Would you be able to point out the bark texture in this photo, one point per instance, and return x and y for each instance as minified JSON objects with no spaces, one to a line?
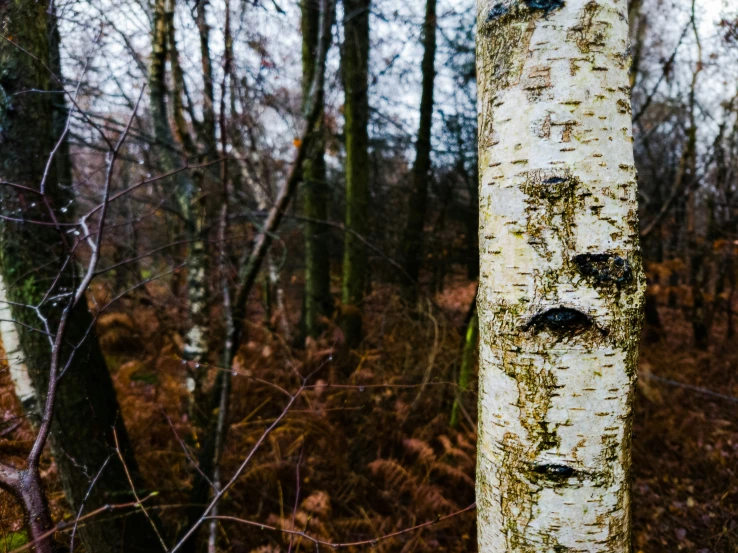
{"x":355,"y":65}
{"x":561,"y":290}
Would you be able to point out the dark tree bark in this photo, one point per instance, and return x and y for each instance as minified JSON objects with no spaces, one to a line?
{"x":355,"y":66}
{"x":38,"y":271}
{"x":318,"y":301}
{"x":413,"y":242}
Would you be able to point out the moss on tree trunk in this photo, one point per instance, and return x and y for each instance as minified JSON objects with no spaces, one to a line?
{"x":561,"y":278}
{"x":355,"y":65}
{"x":37,"y":271}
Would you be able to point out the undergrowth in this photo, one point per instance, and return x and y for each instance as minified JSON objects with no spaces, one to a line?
{"x":367,"y":450}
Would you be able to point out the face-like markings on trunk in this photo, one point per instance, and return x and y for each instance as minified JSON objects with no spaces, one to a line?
{"x":559,"y":242}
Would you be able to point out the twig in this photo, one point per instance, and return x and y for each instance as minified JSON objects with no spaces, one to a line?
{"x":297,"y":494}
{"x":135,"y":494}
{"x":66,"y":525}
{"x":186,"y":451}
{"x":238,"y":472}
{"x":691,"y":387}
{"x":84,"y":500}
{"x":334,"y":545}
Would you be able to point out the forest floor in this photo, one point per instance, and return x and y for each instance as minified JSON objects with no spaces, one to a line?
{"x":366,"y":451}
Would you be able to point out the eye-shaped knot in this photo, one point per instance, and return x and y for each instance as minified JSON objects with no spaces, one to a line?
{"x":561,"y":320}
{"x":554,"y":472}
{"x":503,"y":7}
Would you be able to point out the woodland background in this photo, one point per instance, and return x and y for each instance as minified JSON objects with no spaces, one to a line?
{"x":382,"y":435}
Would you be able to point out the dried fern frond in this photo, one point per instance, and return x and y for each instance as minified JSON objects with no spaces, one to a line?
{"x":394,"y":474}
{"x":117,"y":332}
{"x":420,"y":448}
{"x":453,"y":474}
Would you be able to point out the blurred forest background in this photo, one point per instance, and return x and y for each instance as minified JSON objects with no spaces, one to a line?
{"x":285,"y":288}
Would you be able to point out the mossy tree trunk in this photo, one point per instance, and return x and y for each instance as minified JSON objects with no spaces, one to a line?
{"x":318,"y":301}
{"x":355,"y":65}
{"x":561,"y":284}
{"x":413,"y":240}
{"x":37,"y":271}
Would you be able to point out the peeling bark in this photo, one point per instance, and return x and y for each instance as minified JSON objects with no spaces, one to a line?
{"x":561,"y":285}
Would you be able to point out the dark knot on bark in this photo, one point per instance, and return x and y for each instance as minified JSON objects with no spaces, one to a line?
{"x":604,"y":267}
{"x":545,"y":5}
{"x":561,"y":320}
{"x":554,"y":472}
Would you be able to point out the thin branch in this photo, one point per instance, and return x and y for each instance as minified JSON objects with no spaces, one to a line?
{"x":138,"y":503}
{"x":238,"y":472}
{"x":334,"y":545}
{"x":84,"y":500}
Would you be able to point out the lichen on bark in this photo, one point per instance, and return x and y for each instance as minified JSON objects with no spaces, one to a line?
{"x":561,"y":287}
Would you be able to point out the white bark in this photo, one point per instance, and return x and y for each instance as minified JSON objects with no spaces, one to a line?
{"x":561,"y":286}
{"x":14,"y":354}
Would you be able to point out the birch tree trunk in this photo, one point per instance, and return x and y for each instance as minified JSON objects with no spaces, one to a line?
{"x":561,"y":288}
{"x":196,"y":339}
{"x":14,"y":357}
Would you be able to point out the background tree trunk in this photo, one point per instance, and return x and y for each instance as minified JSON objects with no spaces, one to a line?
{"x":413,"y":242}
{"x":196,"y":339}
{"x":34,"y":262}
{"x":561,"y":291}
{"x":355,"y":66}
{"x":14,"y":357}
{"x":318,"y":301}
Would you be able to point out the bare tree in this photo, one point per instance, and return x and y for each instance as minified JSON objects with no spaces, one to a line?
{"x":45,"y":293}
